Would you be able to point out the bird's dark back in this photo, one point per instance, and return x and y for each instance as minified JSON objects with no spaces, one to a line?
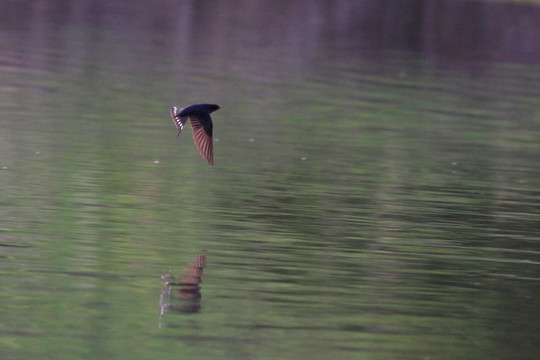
{"x":199,"y":109}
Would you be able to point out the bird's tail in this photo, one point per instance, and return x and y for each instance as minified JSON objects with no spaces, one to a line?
{"x":178,"y":120}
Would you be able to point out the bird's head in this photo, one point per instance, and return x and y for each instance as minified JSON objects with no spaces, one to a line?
{"x":213,"y":107}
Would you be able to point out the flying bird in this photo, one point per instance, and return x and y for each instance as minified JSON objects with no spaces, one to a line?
{"x":201,"y":124}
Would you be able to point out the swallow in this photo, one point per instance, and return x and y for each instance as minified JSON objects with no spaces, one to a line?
{"x":201,"y":124}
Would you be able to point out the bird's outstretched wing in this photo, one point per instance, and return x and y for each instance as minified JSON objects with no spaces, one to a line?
{"x":178,"y":121}
{"x":202,"y":139}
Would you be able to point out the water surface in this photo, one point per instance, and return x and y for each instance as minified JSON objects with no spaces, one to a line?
{"x":372,"y":197}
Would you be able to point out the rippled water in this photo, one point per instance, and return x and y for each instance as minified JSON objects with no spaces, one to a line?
{"x":365,"y":203}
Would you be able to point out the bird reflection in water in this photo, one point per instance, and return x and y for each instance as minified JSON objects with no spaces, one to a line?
{"x":189,"y":299}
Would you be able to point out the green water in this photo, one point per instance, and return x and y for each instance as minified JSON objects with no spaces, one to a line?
{"x":361,"y":206}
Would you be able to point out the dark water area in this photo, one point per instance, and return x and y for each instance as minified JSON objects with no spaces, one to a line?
{"x":457,"y":30}
{"x":374,"y":194}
